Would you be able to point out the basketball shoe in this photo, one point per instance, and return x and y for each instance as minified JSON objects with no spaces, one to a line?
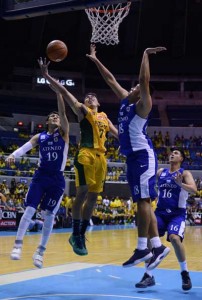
{"x":77,"y":245}
{"x":38,"y":260}
{"x":158,"y":255}
{"x":138,"y":257}
{"x":186,"y":281}
{"x":146,"y":281}
{"x":83,"y":240}
{"x":16,"y":253}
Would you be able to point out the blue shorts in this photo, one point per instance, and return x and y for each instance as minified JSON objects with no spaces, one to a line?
{"x":46,"y":190}
{"x":141,"y":174}
{"x":170,"y":223}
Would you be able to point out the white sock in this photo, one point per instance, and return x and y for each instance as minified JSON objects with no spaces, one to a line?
{"x":142,"y":243}
{"x":155,"y":242}
{"x":24,"y":224}
{"x":46,"y":229}
{"x":183,"y":266}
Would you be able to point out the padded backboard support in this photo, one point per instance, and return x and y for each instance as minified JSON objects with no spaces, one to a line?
{"x":21,"y":9}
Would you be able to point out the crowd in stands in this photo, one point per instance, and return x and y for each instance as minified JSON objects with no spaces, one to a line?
{"x":192,"y":147}
{"x":107,"y":211}
{"x":26,"y":166}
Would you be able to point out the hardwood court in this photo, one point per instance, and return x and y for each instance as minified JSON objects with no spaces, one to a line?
{"x":105,"y":247}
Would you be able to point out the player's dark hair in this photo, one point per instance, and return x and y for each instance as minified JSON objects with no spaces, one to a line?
{"x":52,"y":113}
{"x":90,"y":94}
{"x":180,"y":150}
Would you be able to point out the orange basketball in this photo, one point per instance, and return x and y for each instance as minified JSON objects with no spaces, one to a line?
{"x":56,"y":51}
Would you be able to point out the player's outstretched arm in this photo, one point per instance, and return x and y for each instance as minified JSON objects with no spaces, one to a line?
{"x":63,"y":117}
{"x":23,"y":149}
{"x":62,"y":113}
{"x":109,"y":78}
{"x":145,"y":104}
{"x":58,"y":87}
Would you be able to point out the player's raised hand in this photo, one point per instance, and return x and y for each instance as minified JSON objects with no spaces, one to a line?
{"x":155,"y":50}
{"x":92,"y":54}
{"x":43,"y":65}
{"x":178,"y":178}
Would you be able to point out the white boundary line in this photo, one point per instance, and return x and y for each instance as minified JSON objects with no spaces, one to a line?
{"x":40,"y":273}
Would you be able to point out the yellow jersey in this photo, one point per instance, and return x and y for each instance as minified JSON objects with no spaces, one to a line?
{"x":94,"y":128}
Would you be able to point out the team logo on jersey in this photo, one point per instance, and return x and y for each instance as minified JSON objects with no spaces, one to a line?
{"x":100,"y":117}
{"x":42,"y":137}
{"x":50,"y":143}
{"x":128,"y":109}
{"x":168,"y":180}
{"x":55,"y":139}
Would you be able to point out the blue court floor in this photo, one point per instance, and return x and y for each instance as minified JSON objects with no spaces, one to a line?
{"x":86,"y":281}
{"x":80,"y":281}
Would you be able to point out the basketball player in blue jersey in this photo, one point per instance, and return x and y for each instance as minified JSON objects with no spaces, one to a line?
{"x":48,"y":183}
{"x":174,"y":184}
{"x":141,"y":160}
{"x":90,"y":162}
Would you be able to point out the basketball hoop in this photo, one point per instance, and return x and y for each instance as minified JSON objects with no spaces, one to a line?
{"x":105,"y":21}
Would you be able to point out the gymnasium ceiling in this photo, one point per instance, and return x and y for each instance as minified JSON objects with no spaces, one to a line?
{"x":175,"y":24}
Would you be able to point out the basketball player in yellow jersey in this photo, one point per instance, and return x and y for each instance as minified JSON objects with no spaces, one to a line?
{"x":90,"y":162}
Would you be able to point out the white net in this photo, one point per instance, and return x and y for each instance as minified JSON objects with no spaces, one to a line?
{"x":105,"y":21}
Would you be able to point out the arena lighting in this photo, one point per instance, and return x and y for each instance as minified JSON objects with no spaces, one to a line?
{"x":39,"y":126}
{"x":20,"y":123}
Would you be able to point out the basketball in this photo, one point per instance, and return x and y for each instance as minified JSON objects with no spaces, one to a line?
{"x":56,"y":51}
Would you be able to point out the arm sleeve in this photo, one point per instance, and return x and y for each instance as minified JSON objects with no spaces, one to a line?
{"x":22,"y":150}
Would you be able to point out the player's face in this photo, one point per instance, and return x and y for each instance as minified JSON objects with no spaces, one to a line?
{"x":91,"y":101}
{"x":54,"y":119}
{"x":175,"y":156}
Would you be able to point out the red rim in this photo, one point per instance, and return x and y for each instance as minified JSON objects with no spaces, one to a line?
{"x":102,"y":11}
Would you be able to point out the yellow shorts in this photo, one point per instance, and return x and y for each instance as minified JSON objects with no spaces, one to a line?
{"x":90,"y":169}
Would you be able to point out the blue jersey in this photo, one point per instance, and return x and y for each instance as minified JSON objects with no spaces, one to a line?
{"x":132,"y":129}
{"x":53,"y":151}
{"x":171,"y":196}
